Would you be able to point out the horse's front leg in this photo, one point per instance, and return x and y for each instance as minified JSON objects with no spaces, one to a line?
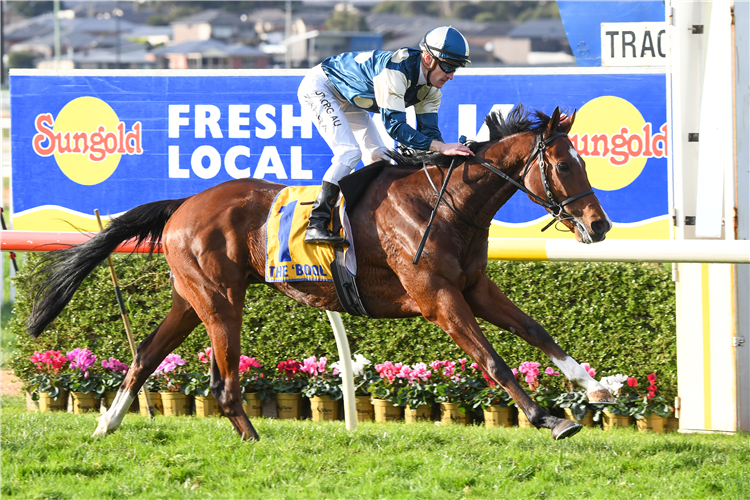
{"x":448,"y":309}
{"x":488,"y":302}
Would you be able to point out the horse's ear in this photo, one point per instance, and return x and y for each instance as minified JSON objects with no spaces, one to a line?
{"x":567,"y":122}
{"x":554,"y":121}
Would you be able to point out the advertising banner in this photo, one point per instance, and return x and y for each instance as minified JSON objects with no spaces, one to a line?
{"x":115,"y":140}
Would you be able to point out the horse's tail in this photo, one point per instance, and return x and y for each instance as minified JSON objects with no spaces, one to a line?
{"x":59,"y":273}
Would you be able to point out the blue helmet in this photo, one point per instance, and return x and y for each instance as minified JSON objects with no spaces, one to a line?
{"x":447,"y":43}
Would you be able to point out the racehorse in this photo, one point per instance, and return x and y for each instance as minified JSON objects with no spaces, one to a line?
{"x":214,"y":257}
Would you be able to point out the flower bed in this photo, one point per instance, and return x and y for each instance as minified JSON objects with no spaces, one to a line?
{"x":460,"y":389}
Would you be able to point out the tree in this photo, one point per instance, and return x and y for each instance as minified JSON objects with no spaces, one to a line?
{"x":341,"y":20}
{"x":21,"y":59}
{"x":32,"y":8}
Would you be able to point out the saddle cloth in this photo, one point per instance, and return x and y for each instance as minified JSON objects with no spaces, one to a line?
{"x":288,"y":257}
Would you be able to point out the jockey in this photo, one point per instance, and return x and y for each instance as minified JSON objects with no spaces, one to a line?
{"x":343,"y":90}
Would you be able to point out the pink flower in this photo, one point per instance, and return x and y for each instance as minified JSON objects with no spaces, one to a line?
{"x":463,"y":363}
{"x":490,"y":382}
{"x":115,"y":365}
{"x":550,"y":371}
{"x":632,"y":382}
{"x":170,"y":363}
{"x":310,"y":366}
{"x":531,"y":370}
{"x":515,"y":373}
{"x":420,"y":372}
{"x":475,"y":366}
{"x":205,"y":357}
{"x":588,"y":369}
{"x":246,"y":363}
{"x":82,"y":360}
{"x":49,"y":361}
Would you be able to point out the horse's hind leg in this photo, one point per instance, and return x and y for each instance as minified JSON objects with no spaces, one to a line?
{"x":171,"y":332}
{"x":488,"y":302}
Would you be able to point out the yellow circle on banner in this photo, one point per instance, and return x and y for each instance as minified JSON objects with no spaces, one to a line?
{"x":87,"y":142}
{"x":616,"y":165}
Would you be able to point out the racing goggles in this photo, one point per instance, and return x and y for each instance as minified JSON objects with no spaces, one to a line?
{"x":447,"y":67}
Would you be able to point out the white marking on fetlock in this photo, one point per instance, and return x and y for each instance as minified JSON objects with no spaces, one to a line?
{"x":111,"y":420}
{"x":577,"y":375}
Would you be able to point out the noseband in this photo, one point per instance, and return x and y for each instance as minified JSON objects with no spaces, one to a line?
{"x":556,"y":209}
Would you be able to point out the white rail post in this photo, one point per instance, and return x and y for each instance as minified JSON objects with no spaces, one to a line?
{"x":347,"y":377}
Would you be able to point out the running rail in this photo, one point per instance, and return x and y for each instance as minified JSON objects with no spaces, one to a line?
{"x":699,"y":251}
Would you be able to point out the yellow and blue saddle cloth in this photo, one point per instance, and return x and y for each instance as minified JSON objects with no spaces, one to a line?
{"x":288,"y":257}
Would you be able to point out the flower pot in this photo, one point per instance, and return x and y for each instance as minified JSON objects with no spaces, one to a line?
{"x":587,"y":420}
{"x":31,"y":405}
{"x":499,"y":416}
{"x":288,"y":405}
{"x":610,"y":420}
{"x":46,"y":403}
{"x":450,"y":414}
{"x":175,"y":403}
{"x":253,"y":405}
{"x":654,"y":423}
{"x":108,"y":399}
{"x":386,"y":412}
{"x":523,"y":421}
{"x":83,"y":402}
{"x":422,"y":413}
{"x":365,"y":410}
{"x":155,"y":402}
{"x":205,"y":406}
{"x":672,"y":424}
{"x":323,"y":408}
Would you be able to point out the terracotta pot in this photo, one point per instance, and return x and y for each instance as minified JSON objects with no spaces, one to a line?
{"x":253,"y":405}
{"x":84,"y":402}
{"x":386,"y":412}
{"x":523,"y":421}
{"x":155,"y":402}
{"x":422,"y":413}
{"x":587,"y":420}
{"x":288,"y":405}
{"x":46,"y":403}
{"x":205,"y":406}
{"x":323,"y":408}
{"x":450,"y":414}
{"x":175,"y":403}
{"x":365,"y":410}
{"x":610,"y":420}
{"x":499,"y":416}
{"x":654,"y":423}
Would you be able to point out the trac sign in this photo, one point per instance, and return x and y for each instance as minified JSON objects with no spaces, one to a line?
{"x":634,"y":44}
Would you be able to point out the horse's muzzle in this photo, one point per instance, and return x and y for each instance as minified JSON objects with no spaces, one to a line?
{"x":599,"y":229}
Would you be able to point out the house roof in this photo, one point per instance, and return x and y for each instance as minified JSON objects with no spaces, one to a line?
{"x":209,"y":48}
{"x":212,"y":17}
{"x":540,"y":28}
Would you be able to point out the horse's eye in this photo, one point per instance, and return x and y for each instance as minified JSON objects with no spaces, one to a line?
{"x":563,"y":167}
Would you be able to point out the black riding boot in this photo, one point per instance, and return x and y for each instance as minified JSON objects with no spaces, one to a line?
{"x":320,"y":217}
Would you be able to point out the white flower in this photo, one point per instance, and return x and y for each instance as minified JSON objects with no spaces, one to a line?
{"x":614,"y":383}
{"x":358,"y":365}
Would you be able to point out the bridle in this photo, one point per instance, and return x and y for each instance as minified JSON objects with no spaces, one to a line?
{"x":556,"y":209}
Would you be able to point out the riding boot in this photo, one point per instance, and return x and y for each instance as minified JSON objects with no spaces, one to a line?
{"x":320,"y":217}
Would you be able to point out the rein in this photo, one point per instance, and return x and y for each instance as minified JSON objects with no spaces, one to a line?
{"x":556,"y":209}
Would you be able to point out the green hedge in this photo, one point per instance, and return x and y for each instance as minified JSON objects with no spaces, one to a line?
{"x":620,"y":318}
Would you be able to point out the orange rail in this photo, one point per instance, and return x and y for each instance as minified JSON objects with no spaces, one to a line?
{"x":44,"y":241}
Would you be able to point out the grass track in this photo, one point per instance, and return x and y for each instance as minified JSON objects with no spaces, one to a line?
{"x":53,"y":456}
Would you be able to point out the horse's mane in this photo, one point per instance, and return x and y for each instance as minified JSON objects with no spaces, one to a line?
{"x":518,"y":120}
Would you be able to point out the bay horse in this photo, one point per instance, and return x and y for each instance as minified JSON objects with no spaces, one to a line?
{"x":214,"y":243}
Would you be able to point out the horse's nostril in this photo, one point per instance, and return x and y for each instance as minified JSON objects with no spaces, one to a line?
{"x":600,"y":226}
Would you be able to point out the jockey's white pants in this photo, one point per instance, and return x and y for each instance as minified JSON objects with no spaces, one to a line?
{"x":348,"y":130}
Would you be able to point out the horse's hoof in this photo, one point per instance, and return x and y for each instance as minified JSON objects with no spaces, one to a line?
{"x":565,"y":429}
{"x":601,"y":397}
